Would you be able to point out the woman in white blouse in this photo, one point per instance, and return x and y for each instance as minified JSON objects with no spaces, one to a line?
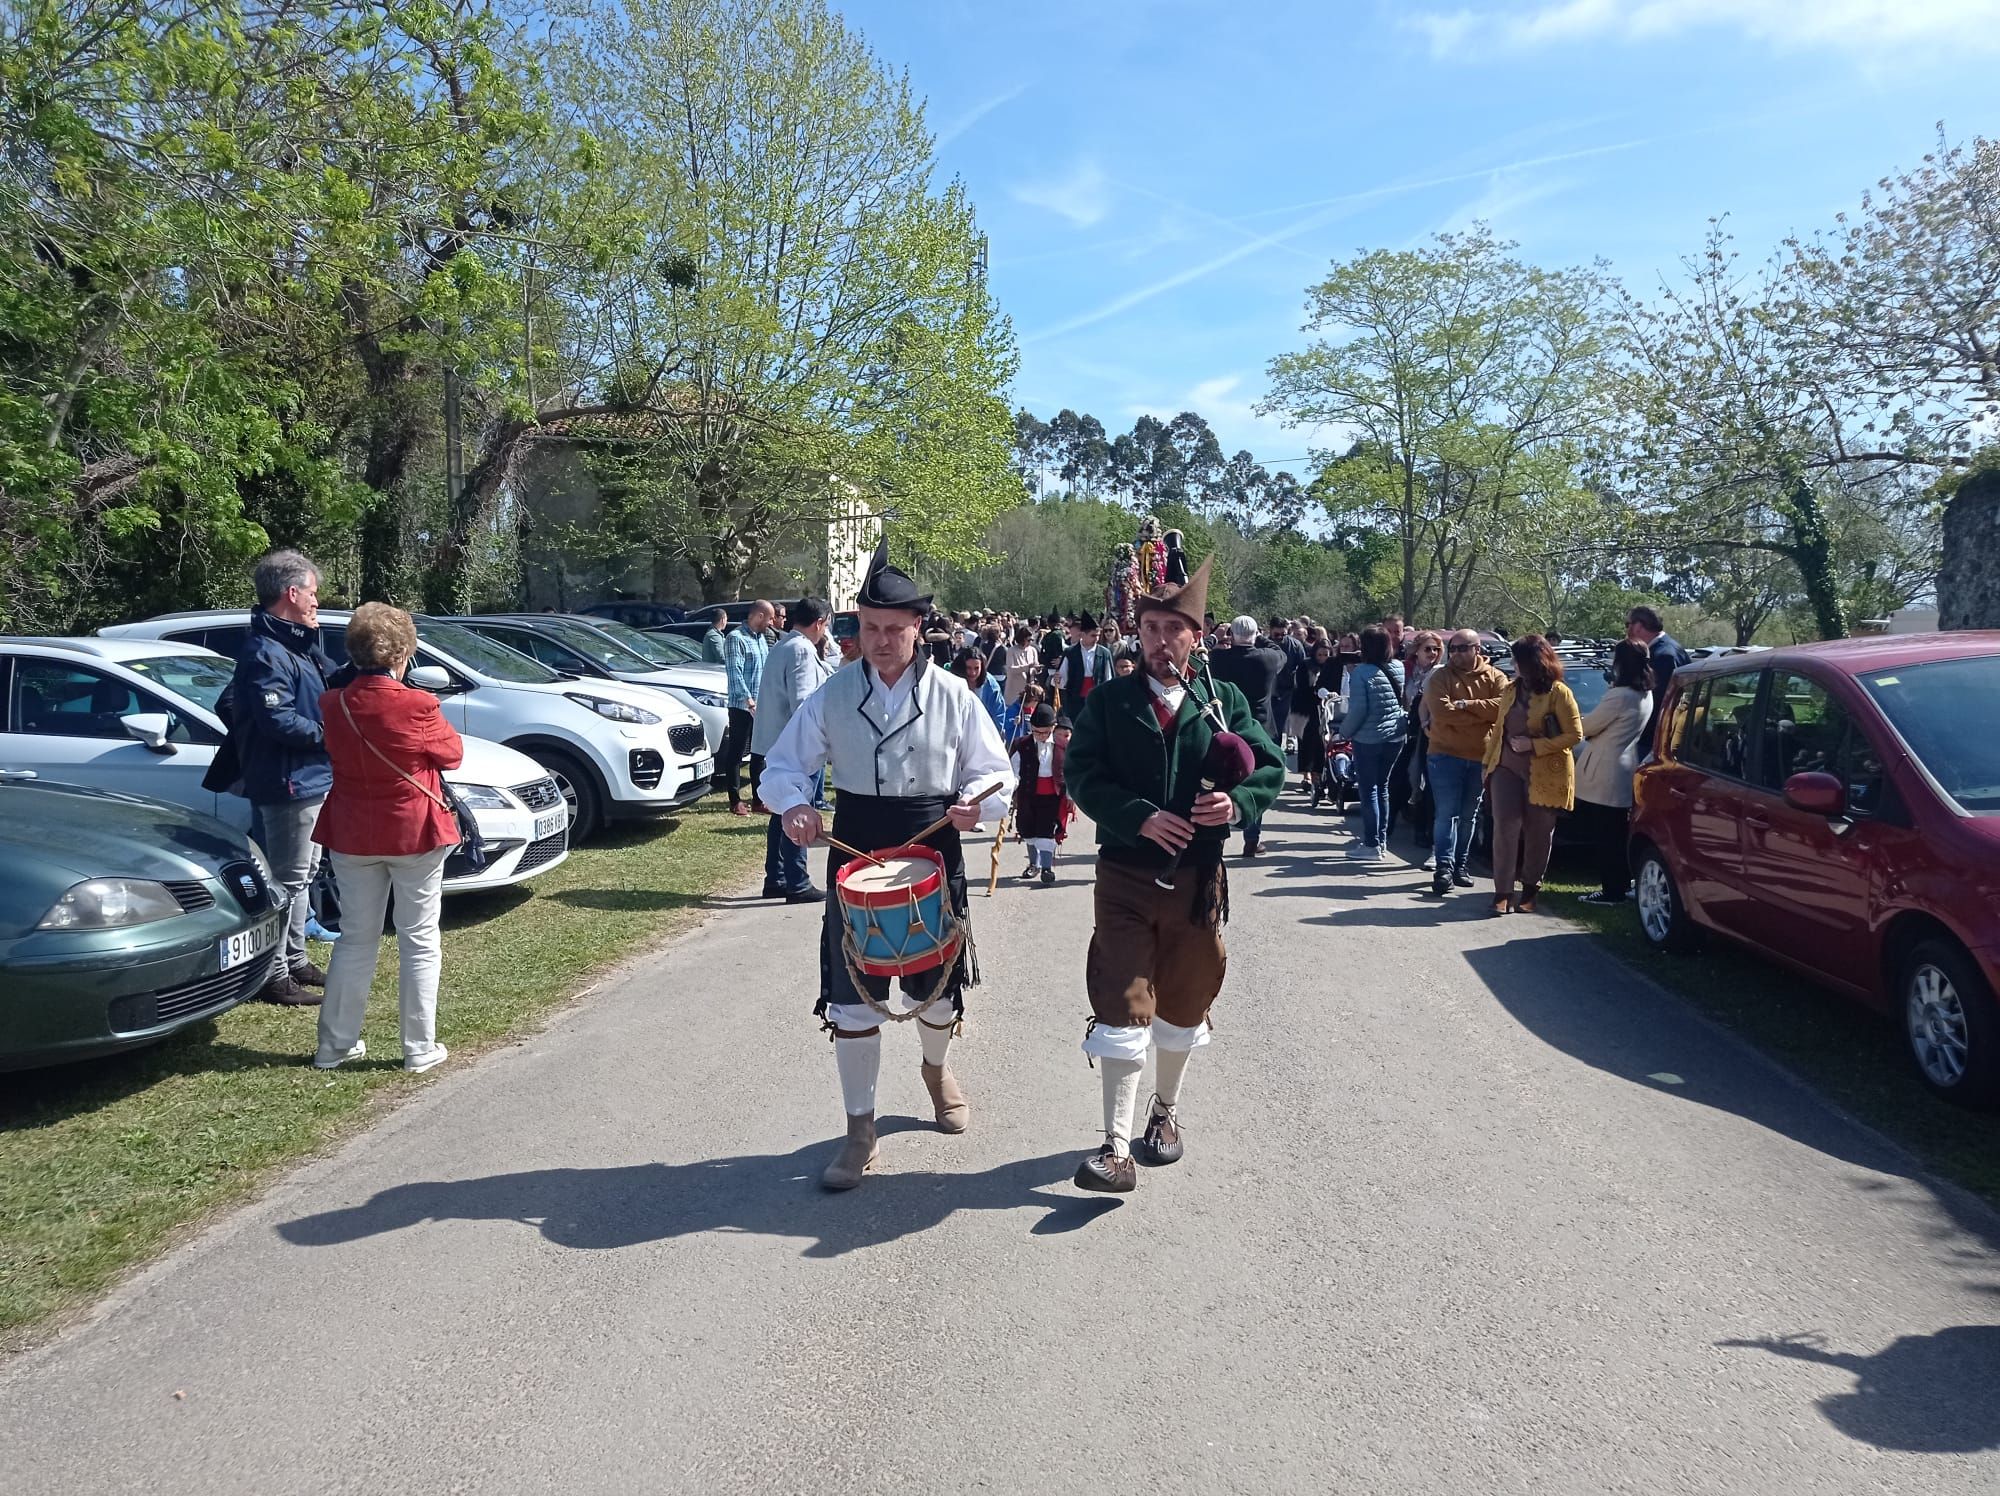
{"x":1612,"y":731}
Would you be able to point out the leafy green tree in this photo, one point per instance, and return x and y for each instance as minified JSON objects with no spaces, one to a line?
{"x":831,"y":335}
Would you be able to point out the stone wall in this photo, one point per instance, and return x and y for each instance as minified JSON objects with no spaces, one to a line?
{"x":1969,"y":580}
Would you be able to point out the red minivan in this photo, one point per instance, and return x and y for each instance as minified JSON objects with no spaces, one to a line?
{"x":1837,"y":806}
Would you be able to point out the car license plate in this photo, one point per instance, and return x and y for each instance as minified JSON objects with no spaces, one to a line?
{"x":705,"y":769}
{"x":247,"y":945}
{"x":549,"y":822}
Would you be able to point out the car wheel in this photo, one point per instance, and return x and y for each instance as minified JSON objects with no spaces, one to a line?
{"x":579,"y":791}
{"x":1952,"y":1025}
{"x":1662,"y":916}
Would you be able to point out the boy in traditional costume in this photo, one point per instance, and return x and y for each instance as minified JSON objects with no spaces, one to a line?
{"x":1147,"y":765}
{"x":908,"y":741}
{"x":1038,"y":793}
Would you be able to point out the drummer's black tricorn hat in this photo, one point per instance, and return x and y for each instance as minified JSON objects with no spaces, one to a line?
{"x":889,"y":586}
{"x":1043,"y":716}
{"x":1085,"y":621}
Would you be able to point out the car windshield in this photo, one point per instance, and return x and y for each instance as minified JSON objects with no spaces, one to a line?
{"x":1948,"y":711}
{"x":594,"y":646}
{"x":199,"y":678}
{"x":1586,"y":682}
{"x":483,"y":655}
{"x":655,"y":649}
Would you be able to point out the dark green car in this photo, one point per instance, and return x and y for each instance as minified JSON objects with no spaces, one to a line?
{"x":122,"y":920}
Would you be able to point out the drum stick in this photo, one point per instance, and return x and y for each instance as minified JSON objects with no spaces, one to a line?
{"x":839,"y":845}
{"x":983,"y":792}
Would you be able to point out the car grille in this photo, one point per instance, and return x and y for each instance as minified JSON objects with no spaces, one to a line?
{"x":648,"y":768}
{"x":144,"y":1010}
{"x":547,"y":850}
{"x":540,"y":794}
{"x":248,"y":888}
{"x":687,"y":737}
{"x":193,"y":896}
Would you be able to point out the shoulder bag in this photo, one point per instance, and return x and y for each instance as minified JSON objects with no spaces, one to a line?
{"x":471,"y":845}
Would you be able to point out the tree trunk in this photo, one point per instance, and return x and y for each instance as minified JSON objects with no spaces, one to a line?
{"x":1812,"y":552}
{"x":1968,"y":584}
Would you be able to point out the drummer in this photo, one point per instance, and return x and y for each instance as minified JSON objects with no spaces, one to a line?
{"x":907,"y":742}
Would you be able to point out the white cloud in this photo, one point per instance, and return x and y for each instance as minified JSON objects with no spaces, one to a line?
{"x":1864,"y":26}
{"x":975,"y":114}
{"x":1231,"y":412}
{"x":1083,"y":195}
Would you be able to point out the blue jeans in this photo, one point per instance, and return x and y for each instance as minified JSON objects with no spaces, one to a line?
{"x":1372,"y":763}
{"x":784,"y":859}
{"x":1456,"y":787}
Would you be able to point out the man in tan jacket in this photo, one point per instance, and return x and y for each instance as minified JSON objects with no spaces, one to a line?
{"x":1462,"y":700}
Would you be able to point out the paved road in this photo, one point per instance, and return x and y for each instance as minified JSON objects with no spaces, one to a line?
{"x":1467,"y":1208}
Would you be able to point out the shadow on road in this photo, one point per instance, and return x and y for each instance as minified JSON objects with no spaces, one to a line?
{"x":1929,"y":1394}
{"x":757,"y":1194}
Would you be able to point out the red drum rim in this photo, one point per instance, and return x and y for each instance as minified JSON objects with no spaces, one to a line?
{"x":883,"y":898}
{"x":935,"y":957}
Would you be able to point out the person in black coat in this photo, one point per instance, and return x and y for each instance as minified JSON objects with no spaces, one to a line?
{"x":1253,"y":669}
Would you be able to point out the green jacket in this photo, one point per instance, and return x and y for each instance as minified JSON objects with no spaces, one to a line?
{"x":1119,"y":772}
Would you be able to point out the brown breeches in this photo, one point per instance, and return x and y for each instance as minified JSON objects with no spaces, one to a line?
{"x":1147,"y":957}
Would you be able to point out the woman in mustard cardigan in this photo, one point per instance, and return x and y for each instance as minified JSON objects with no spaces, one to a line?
{"x":1530,"y":773}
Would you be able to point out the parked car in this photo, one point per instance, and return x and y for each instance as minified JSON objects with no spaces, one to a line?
{"x":616,"y":752}
{"x":122,"y":920}
{"x":138,"y":716}
{"x":643,"y":615}
{"x":1837,"y":807}
{"x":588,"y":649}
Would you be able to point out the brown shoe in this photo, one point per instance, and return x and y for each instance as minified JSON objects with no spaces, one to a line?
{"x":1501,"y":904}
{"x":308,"y":975}
{"x":1525,"y":904}
{"x":953,"y":1115}
{"x":1106,"y":1173}
{"x":856,"y":1157}
{"x":287,"y":992}
{"x":738,"y":808}
{"x":1161,"y":1145}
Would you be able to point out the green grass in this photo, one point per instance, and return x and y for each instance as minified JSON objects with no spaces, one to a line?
{"x":104,"y":1164}
{"x":1853,"y":1056}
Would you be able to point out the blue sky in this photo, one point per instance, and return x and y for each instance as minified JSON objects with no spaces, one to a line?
{"x":1161,"y":179}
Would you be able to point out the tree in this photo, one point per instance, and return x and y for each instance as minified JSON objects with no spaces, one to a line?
{"x":833,"y":336}
{"x":1745,"y":440}
{"x":1462,"y":379}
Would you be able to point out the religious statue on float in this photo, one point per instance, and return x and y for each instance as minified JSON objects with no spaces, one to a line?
{"x":1143,"y":567}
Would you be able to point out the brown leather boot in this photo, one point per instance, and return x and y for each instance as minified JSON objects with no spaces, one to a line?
{"x":856,"y":1157}
{"x":953,"y":1115}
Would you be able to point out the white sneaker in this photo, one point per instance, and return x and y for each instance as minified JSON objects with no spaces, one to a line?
{"x":430,"y":1059}
{"x":328,"y":1059}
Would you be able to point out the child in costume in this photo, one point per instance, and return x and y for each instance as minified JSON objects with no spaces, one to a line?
{"x":1038,"y":793}
{"x":1068,"y":808}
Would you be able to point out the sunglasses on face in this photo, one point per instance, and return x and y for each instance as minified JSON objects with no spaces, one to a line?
{"x":1463,"y":648}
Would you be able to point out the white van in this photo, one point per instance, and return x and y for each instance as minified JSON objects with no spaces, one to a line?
{"x":617,"y":752}
{"x":137,"y":717}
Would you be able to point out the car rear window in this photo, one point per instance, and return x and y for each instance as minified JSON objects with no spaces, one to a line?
{"x":1948,"y":711}
{"x":1713,"y":723}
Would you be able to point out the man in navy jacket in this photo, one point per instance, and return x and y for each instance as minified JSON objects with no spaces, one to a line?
{"x":280,"y":746}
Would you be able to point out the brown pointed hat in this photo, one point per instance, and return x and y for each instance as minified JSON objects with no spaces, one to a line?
{"x":1190,"y":599}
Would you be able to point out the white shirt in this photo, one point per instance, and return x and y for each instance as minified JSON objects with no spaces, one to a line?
{"x":802,"y":748}
{"x":1045,"y":758}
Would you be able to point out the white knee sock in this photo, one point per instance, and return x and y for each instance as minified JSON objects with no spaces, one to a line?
{"x":936,"y":1041}
{"x":1172,"y":1065}
{"x":1121,"y":1099}
{"x":859,"y":1062}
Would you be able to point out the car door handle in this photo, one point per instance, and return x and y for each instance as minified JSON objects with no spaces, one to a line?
{"x":1757,"y":820}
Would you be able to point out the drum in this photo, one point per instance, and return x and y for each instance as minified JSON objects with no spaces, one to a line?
{"x":899,"y":921}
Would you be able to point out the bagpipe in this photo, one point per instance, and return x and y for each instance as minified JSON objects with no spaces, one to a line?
{"x":1228,"y":761}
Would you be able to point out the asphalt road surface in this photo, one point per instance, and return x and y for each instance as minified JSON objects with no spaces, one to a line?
{"x":1467,"y":1207}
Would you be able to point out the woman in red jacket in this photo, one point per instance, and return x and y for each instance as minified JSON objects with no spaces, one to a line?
{"x":386,"y":827}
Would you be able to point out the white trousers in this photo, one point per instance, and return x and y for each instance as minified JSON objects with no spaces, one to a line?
{"x":417,"y":880}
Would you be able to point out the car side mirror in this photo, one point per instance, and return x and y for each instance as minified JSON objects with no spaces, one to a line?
{"x":433,"y":678}
{"x":1816,"y":794}
{"x":150,"y":728}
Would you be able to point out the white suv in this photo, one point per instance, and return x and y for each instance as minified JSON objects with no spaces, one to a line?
{"x":617,"y":752}
{"x":137,"y":716}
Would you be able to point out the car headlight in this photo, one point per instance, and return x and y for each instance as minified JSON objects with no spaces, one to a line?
{"x":481,"y":797}
{"x":617,"y":711}
{"x":714,"y":699}
{"x":110,"y":904}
